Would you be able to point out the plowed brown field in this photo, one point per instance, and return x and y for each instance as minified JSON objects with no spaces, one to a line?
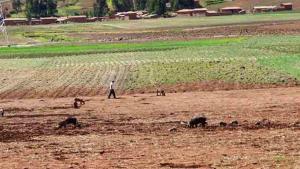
{"x":134,"y":131}
{"x":263,"y":28}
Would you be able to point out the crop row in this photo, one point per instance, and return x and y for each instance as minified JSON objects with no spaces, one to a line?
{"x":250,"y":61}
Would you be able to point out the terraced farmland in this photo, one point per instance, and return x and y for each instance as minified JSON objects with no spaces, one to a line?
{"x":243,"y":62}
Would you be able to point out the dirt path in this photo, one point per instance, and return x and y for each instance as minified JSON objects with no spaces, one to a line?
{"x":133,"y":131}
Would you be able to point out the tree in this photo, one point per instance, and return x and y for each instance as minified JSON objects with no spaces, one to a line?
{"x":156,"y":6}
{"x":183,"y":4}
{"x":43,"y":8}
{"x":51,"y":7}
{"x":140,"y":4}
{"x":17,"y":5}
{"x":29,"y":7}
{"x":100,"y":8}
{"x":40,"y":8}
{"x":35,"y":11}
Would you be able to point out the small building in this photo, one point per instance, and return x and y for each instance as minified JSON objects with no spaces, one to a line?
{"x":62,"y":20}
{"x":212,"y":13}
{"x":48,"y":20}
{"x":191,"y":12}
{"x":199,"y":11}
{"x":103,"y":18}
{"x":92,"y":19}
{"x":77,"y":19}
{"x":230,"y":10}
{"x":287,"y":6}
{"x":185,"y":12}
{"x":35,"y":22}
{"x":259,"y":9}
{"x":131,"y":15}
{"x":120,"y":16}
{"x":15,"y":21}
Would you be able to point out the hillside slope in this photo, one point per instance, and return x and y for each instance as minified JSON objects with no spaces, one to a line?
{"x":248,"y":4}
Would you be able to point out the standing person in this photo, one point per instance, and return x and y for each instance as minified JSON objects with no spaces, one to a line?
{"x":112,"y":89}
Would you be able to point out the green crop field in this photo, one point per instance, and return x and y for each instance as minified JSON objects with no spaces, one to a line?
{"x":62,"y":70}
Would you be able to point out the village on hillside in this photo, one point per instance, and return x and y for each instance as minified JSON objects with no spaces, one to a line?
{"x":8,"y":8}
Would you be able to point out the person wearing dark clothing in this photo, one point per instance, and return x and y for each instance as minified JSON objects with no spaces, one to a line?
{"x":112,"y":90}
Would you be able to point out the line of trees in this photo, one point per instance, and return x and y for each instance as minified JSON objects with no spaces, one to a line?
{"x":40,"y":8}
{"x":103,"y":7}
{"x":46,"y":8}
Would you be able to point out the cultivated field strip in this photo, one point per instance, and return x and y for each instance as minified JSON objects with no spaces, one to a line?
{"x":70,"y":78}
{"x":65,"y":80}
{"x":90,"y":74}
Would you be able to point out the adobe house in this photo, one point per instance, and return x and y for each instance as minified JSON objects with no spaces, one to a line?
{"x":287,"y":6}
{"x":78,"y":19}
{"x":15,"y":21}
{"x":199,"y":11}
{"x":120,"y":15}
{"x":7,"y":7}
{"x":132,"y":15}
{"x":191,"y":12}
{"x":35,"y":22}
{"x":92,"y":19}
{"x":212,"y":13}
{"x":259,"y":9}
{"x":185,"y":12}
{"x":48,"y":20}
{"x":231,"y":10}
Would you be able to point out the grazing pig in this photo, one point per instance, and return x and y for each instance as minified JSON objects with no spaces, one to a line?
{"x":78,"y":102}
{"x":69,"y":120}
{"x":76,"y":105}
{"x":160,"y":92}
{"x":223,"y":124}
{"x":264,"y":123}
{"x":195,"y":121}
{"x":81,"y":101}
{"x":234,"y":124}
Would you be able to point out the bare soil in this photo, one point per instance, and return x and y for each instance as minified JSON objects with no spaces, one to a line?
{"x":266,"y":28}
{"x":146,"y":131}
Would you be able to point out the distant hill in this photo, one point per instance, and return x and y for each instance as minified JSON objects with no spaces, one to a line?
{"x":248,"y":4}
{"x":79,"y":7}
{"x":85,"y":5}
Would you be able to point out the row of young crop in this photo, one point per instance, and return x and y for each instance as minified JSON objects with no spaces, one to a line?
{"x":252,"y":61}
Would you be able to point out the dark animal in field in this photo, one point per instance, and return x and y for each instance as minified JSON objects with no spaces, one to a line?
{"x":223,"y":124}
{"x":160,"y":92}
{"x":264,"y":123}
{"x":195,"y":121}
{"x":69,"y":120}
{"x":78,"y":103}
{"x":81,"y":101}
{"x":234,"y":124}
{"x":2,"y":112}
{"x":296,"y":124}
{"x":174,"y":129}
